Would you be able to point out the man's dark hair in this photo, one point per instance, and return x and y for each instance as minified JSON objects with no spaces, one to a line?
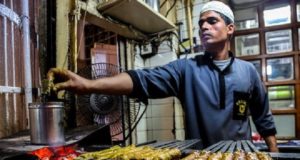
{"x":225,"y":18}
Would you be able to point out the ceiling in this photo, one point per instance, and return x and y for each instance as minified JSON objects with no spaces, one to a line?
{"x":245,"y":3}
{"x":240,"y":2}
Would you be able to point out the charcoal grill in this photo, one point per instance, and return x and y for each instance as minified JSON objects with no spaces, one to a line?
{"x":231,"y":146}
{"x":18,"y":146}
{"x":247,"y":146}
{"x":181,"y":145}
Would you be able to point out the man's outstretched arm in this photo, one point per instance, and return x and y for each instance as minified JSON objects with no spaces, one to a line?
{"x":66,"y":80}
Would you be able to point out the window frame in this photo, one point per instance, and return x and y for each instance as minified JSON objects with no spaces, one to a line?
{"x":263,"y":57}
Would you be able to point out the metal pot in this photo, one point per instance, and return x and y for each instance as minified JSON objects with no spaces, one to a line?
{"x":46,"y":123}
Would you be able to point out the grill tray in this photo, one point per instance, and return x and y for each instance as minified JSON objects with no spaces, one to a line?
{"x":231,"y":146}
{"x":247,"y":146}
{"x":181,"y":145}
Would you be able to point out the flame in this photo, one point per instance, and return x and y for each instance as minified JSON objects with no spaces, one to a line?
{"x":43,"y":152}
{"x":56,"y":153}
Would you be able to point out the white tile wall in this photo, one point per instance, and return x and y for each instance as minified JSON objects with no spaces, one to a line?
{"x":149,"y":123}
{"x":200,"y":1}
{"x":195,"y":21}
{"x":178,"y":107}
{"x":163,"y":110}
{"x":160,"y":59}
{"x":166,"y":46}
{"x":168,"y":100}
{"x":142,"y":137}
{"x":163,"y":135}
{"x":162,"y":123}
{"x":184,"y":34}
{"x":138,"y":61}
{"x":179,"y":122}
{"x":142,"y":125}
{"x":149,"y":111}
{"x":150,"y":135}
{"x":181,"y":14}
{"x":180,"y":134}
{"x":196,"y":9}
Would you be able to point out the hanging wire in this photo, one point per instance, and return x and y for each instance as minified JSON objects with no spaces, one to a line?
{"x":138,"y":120}
{"x":173,"y":5}
{"x":163,"y":4}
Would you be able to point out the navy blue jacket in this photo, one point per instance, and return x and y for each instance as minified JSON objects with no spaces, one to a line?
{"x":213,"y":100}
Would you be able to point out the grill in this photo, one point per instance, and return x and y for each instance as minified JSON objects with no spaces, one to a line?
{"x":231,"y":146}
{"x":247,"y":146}
{"x":169,"y":150}
{"x":18,"y":146}
{"x":184,"y":146}
{"x":181,"y":145}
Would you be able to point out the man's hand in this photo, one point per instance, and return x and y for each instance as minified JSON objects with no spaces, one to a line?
{"x":119,"y":84}
{"x":271,"y":142}
{"x":60,"y":79}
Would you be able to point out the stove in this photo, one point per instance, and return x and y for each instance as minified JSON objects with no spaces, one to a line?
{"x":245,"y":146}
{"x":84,"y":142}
{"x":19,"y":147}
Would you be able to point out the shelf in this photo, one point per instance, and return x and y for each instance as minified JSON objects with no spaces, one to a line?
{"x":91,"y":15}
{"x":137,"y":14}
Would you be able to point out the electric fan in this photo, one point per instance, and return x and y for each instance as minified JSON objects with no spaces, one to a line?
{"x":102,"y":109}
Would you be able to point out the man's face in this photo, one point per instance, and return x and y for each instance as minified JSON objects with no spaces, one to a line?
{"x":213,"y":31}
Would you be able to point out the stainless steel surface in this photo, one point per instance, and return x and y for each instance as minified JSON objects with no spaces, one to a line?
{"x":9,"y":13}
{"x":26,"y":52}
{"x":8,"y":89}
{"x":46,"y":123}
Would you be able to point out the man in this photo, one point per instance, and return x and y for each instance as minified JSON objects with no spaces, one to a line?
{"x":216,"y":90}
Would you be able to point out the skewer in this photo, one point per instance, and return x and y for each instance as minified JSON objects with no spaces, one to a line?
{"x":218,"y":147}
{"x":252,"y":146}
{"x":213,"y":146}
{"x":245,"y":146}
{"x":160,"y":144}
{"x":187,"y":144}
{"x":238,"y":145}
{"x":225,"y":147}
{"x":232,"y":147}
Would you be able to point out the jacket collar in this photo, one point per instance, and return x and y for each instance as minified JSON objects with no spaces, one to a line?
{"x":209,"y":61}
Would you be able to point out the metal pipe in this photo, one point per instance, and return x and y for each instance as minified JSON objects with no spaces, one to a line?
{"x":6,"y":106}
{"x":190,"y":24}
{"x":8,"y":89}
{"x":15,"y":117}
{"x":10,"y":14}
{"x":27,"y":58}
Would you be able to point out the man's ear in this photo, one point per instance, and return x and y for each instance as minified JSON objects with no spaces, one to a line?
{"x":230,"y":28}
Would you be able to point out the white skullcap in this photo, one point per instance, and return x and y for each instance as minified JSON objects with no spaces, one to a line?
{"x":219,"y":7}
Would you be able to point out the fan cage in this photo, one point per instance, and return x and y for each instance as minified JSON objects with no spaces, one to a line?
{"x":88,"y":109}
